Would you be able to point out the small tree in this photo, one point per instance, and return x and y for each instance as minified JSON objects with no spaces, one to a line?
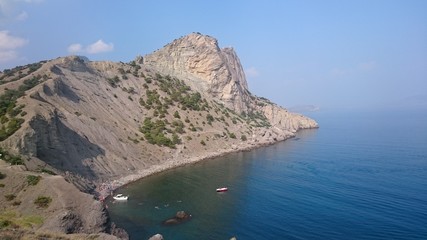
{"x":176,"y":114}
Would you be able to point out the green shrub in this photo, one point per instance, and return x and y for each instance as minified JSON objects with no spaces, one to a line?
{"x":210,"y":119}
{"x":16,"y":203}
{"x":9,"y":197}
{"x":203,"y":143}
{"x":2,"y":185}
{"x":44,"y":170}
{"x":176,"y":114}
{"x":232,"y":135}
{"x":5,"y":223}
{"x":42,"y":201}
{"x":243,"y":138}
{"x":9,"y":158}
{"x":33,"y":180}
{"x":2,"y":175}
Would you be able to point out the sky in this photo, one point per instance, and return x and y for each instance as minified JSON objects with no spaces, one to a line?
{"x":352,"y":54}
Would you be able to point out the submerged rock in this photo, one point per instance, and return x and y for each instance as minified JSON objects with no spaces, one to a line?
{"x":179,"y":217}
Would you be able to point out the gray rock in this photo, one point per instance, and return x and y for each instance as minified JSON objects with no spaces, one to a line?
{"x":156,"y":237}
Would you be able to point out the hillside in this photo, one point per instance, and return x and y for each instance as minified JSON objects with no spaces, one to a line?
{"x":99,"y":124}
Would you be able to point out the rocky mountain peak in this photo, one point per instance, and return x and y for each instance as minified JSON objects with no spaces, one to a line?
{"x":201,"y":63}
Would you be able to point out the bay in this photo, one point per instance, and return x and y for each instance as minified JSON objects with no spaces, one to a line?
{"x":359,"y":176}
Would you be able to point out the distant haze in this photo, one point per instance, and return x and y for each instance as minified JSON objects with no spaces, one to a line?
{"x":330,"y":54}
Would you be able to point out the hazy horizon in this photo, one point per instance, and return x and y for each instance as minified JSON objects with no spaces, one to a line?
{"x":330,"y":54}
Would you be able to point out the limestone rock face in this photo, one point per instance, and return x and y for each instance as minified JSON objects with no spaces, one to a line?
{"x":217,"y":73}
{"x":212,"y":71}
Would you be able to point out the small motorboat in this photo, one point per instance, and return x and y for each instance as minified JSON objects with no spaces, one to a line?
{"x":120,"y":197}
{"x":223,"y":189}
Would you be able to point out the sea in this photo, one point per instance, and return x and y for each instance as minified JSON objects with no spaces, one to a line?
{"x":361,"y":175}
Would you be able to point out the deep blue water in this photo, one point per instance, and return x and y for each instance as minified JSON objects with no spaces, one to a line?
{"x":359,"y":176}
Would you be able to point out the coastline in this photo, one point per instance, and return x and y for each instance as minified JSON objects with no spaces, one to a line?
{"x":106,"y":189}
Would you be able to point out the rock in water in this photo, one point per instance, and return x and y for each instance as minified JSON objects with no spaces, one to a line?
{"x":156,"y":237}
{"x":179,"y":217}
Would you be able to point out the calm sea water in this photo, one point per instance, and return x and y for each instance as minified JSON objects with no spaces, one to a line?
{"x":359,"y":176}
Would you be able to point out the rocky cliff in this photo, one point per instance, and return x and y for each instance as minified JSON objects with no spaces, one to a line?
{"x":205,"y":67}
{"x":217,"y":73}
{"x":102,"y":124}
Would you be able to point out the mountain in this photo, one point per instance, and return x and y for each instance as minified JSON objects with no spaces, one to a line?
{"x":102,"y":124}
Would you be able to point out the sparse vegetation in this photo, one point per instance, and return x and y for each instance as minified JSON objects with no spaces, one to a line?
{"x":44,"y":170}
{"x":9,"y":122}
{"x":9,"y":158}
{"x":155,"y":133}
{"x":42,"y":201}
{"x":9,"y":197}
{"x":12,"y":220}
{"x":33,"y":180}
{"x":113,"y":81}
{"x":5,"y":223}
{"x":2,"y":175}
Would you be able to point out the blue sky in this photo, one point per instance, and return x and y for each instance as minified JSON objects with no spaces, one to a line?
{"x":332,"y":54}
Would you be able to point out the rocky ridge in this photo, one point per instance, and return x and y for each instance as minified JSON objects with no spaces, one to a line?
{"x":103,"y":124}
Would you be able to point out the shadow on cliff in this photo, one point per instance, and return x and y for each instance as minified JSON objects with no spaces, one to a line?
{"x":66,"y":150}
{"x":62,"y":89}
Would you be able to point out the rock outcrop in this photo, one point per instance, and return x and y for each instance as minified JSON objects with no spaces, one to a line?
{"x":217,"y":72}
{"x":180,"y":217}
{"x":207,"y":68}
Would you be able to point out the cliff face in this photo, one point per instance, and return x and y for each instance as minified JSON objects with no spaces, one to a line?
{"x":217,"y":73}
{"x":95,"y":122}
{"x":205,"y":67}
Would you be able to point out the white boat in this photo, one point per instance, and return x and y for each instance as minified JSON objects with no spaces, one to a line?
{"x":222,"y":189}
{"x":120,"y":197}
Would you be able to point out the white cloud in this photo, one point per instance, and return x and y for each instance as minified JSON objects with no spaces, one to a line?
{"x":75,"y":48}
{"x":8,"y":46}
{"x":10,"y":42}
{"x":99,"y":47}
{"x":251,"y":72}
{"x":94,"y":48}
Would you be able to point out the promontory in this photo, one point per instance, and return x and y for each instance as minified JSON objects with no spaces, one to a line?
{"x":72,"y":129}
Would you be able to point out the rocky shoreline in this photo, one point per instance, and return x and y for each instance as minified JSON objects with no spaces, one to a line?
{"x":106,"y":189}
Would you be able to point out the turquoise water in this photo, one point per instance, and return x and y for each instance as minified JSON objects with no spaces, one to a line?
{"x":359,"y":176}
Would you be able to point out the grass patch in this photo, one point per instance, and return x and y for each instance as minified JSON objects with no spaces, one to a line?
{"x":11,"y":219}
{"x":30,"y":221}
